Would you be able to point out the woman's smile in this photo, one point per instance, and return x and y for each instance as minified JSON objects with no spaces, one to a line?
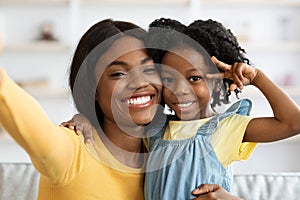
{"x":139,"y":101}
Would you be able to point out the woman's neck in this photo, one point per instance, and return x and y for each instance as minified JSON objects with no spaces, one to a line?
{"x":125,"y":146}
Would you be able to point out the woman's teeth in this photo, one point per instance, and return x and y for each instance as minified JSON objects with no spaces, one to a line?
{"x":139,"y":100}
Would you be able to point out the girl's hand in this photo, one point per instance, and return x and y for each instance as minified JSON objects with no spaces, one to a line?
{"x":212,"y":192}
{"x":241,"y":73}
{"x":81,"y":125}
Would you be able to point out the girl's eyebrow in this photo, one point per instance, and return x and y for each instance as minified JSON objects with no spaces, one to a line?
{"x":146,"y":60}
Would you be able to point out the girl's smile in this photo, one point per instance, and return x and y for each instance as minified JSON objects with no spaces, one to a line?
{"x":186,"y":90}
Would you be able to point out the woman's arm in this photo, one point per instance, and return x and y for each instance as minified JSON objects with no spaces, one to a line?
{"x":24,"y":119}
{"x":286,"y":120}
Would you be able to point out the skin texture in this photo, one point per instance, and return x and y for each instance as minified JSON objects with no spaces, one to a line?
{"x":285,"y":122}
{"x":186,"y":90}
{"x":128,"y":93}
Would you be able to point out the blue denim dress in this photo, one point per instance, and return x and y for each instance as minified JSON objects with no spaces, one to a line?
{"x":176,"y":167}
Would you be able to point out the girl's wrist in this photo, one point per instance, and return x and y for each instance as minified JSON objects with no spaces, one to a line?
{"x":256,"y":77}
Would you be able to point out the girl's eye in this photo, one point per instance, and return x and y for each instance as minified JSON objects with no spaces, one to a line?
{"x":195,"y":78}
{"x":150,"y":69}
{"x":167,"y":80}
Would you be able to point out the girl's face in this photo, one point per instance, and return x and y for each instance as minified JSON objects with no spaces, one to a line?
{"x":186,"y":90}
{"x":129,"y":89}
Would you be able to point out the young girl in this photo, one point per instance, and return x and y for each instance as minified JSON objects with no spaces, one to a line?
{"x":198,"y":145}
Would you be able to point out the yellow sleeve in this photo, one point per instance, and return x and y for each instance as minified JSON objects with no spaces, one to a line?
{"x":50,"y":147}
{"x":228,"y":137}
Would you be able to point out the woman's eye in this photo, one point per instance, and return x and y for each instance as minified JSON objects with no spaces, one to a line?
{"x":118,"y":74}
{"x":195,"y":78}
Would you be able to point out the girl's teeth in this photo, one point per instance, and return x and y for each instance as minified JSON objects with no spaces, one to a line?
{"x":184,"y":105}
{"x":139,"y":100}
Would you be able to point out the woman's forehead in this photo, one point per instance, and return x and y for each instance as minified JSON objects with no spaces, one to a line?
{"x":121,"y":47}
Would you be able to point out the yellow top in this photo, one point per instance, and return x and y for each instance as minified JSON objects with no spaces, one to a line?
{"x":226,"y":140}
{"x":68,"y":168}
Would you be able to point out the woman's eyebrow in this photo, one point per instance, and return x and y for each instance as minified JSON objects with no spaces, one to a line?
{"x":117,"y":63}
{"x":122,"y":63}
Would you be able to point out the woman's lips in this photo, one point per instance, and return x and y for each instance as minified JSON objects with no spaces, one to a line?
{"x":139,"y":101}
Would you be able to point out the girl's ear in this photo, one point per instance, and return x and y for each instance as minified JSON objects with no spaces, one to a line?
{"x":217,"y":85}
{"x":216,"y":93}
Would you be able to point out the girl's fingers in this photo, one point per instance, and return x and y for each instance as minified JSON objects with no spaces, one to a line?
{"x":237,"y":81}
{"x":232,"y":87}
{"x":220,"y":64}
{"x":88,"y":136}
{"x":68,"y":124}
{"x":205,"y":188}
{"x":215,"y":76}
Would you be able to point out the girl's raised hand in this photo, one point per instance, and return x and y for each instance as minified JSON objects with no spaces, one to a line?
{"x":81,"y":125}
{"x":241,"y":73}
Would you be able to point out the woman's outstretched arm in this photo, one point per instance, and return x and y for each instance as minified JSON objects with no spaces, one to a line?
{"x":48,"y":146}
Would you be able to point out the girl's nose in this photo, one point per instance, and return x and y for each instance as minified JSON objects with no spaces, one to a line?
{"x":182,"y":88}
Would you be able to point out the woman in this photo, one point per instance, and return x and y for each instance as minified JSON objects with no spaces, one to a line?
{"x":113,"y":53}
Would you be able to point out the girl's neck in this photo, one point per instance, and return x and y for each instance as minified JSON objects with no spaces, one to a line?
{"x":201,"y":115}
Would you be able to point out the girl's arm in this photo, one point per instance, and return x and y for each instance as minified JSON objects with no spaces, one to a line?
{"x":286,"y":120}
{"x":81,"y":125}
{"x":48,"y":146}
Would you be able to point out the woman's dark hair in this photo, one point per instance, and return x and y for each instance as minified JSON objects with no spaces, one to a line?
{"x":211,"y":35}
{"x":90,"y":48}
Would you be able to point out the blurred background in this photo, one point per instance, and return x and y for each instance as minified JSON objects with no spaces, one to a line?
{"x":38,"y":38}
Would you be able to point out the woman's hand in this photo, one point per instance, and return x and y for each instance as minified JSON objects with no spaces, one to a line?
{"x":212,"y":192}
{"x":241,"y":73}
{"x":81,"y":125}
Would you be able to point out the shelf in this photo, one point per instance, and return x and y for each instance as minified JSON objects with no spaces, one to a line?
{"x":251,"y":2}
{"x":292,"y":91}
{"x":272,"y":46}
{"x":136,"y":2}
{"x":48,"y":93}
{"x":36,"y":46}
{"x":34,"y":2}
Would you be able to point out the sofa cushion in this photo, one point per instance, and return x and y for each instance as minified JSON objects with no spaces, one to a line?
{"x":18,"y":181}
{"x":268,"y":186}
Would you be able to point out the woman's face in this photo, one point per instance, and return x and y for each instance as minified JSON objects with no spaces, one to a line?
{"x":186,"y":90}
{"x":129,"y":88}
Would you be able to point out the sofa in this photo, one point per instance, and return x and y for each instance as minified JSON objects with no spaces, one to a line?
{"x":19,"y":181}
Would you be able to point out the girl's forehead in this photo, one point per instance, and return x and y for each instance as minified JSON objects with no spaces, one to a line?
{"x":188,"y":58}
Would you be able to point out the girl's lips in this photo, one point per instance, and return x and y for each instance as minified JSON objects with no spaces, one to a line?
{"x":184,"y":106}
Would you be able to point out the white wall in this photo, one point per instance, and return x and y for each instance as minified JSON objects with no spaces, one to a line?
{"x":269,"y":47}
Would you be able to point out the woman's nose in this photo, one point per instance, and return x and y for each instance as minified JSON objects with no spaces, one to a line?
{"x":137,"y":80}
